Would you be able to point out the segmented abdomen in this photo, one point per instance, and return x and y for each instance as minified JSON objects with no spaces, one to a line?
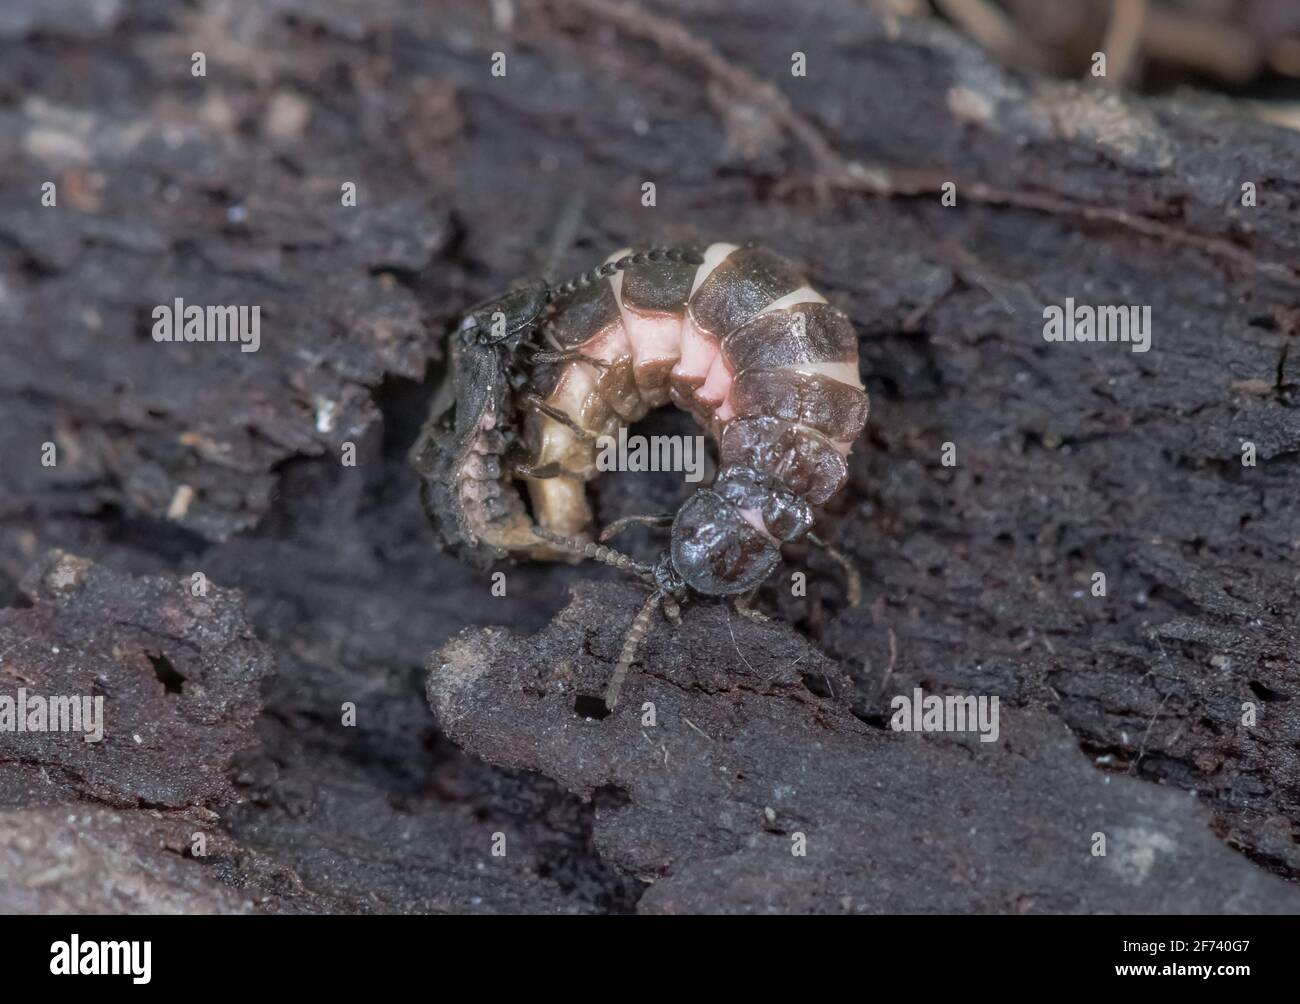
{"x":740,"y":341}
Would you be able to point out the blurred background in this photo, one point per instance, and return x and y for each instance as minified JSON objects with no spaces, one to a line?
{"x":1250,"y":48}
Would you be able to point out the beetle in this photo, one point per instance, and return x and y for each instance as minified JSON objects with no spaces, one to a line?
{"x":734,"y":335}
{"x":471,"y":423}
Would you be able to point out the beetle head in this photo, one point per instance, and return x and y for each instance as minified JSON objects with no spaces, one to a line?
{"x":716,"y":550}
{"x":496,"y":320}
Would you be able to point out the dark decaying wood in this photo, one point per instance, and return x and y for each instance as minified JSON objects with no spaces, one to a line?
{"x":1121,"y":714}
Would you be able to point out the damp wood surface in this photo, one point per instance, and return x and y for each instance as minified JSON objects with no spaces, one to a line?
{"x":1120,"y":714}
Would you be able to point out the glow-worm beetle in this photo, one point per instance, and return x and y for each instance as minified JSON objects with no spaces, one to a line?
{"x":733,"y":335}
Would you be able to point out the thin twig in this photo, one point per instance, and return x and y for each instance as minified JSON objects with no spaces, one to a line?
{"x":838,"y":172}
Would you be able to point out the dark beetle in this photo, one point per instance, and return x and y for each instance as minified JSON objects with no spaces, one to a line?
{"x":733,"y":335}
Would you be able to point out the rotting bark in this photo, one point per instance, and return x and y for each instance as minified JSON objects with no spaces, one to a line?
{"x":745,"y":765}
{"x":99,"y":860}
{"x":1070,"y":459}
{"x":175,"y":673}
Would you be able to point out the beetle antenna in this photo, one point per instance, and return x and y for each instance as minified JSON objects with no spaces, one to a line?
{"x":597,"y":552}
{"x":631,"y":642}
{"x":654,"y":255}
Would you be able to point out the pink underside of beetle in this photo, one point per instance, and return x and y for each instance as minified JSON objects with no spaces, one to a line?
{"x":697,"y":358}
{"x":672,"y":357}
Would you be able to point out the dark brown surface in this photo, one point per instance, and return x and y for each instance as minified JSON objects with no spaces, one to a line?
{"x":178,"y":673}
{"x":744,"y":758}
{"x":1071,"y":459}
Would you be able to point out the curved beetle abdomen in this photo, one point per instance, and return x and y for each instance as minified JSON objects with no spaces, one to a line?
{"x":734,"y":336}
{"x":745,"y":345}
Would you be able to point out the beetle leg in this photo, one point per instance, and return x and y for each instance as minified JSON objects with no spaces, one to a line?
{"x":850,"y":573}
{"x":619,"y":525}
{"x":631,"y":642}
{"x":537,"y":404}
{"x":568,"y":357}
{"x":546,"y":471}
{"x":744,"y":607}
